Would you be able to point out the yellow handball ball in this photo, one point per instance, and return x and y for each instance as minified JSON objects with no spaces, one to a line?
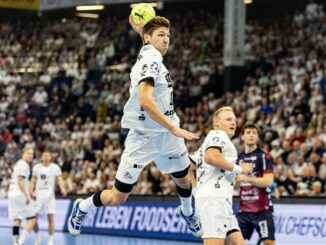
{"x":142,"y":12}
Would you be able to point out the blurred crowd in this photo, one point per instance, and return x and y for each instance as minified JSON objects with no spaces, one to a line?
{"x":63,"y":85}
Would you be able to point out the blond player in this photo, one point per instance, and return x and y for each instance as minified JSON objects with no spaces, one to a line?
{"x":216,"y":171}
{"x":20,"y":206}
{"x":42,"y":188}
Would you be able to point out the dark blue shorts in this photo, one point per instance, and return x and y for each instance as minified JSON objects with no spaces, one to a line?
{"x":262,"y":222}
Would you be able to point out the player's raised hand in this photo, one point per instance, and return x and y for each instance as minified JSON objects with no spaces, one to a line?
{"x":184,"y":133}
{"x":137,"y":28}
{"x":246,"y":168}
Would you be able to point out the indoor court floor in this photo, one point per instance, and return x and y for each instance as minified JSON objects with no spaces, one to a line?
{"x":61,"y":238}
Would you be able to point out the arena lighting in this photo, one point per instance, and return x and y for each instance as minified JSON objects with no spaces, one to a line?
{"x":154,"y":5}
{"x":89,"y":7}
{"x":247,"y":1}
{"x":88,"y":15}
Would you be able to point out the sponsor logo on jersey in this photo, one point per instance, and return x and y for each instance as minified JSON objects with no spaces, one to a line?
{"x":169,"y":113}
{"x":138,"y":166}
{"x":216,"y":139}
{"x":168,"y":80}
{"x":144,"y":70}
{"x":200,"y":175}
{"x":154,"y":68}
{"x":142,"y":117}
{"x":127,"y":175}
{"x":217,"y":184}
{"x":178,"y":156}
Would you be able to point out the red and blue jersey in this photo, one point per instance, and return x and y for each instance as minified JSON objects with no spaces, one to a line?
{"x":254,"y":199}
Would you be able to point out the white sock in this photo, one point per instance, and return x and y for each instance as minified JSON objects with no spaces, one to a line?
{"x":87,"y":204}
{"x":15,"y":238}
{"x":37,"y":236}
{"x":186,"y":206}
{"x":22,"y":237}
{"x":50,"y":237}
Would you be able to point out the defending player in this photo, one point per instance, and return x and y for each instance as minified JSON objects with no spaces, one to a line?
{"x":216,"y":172}
{"x":154,"y":132}
{"x":256,"y":210}
{"x":20,"y":206}
{"x":44,"y":179}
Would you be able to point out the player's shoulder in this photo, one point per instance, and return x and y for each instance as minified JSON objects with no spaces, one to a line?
{"x":265,"y":153}
{"x":37,"y":166}
{"x":54,"y":165}
{"x":55,"y":168}
{"x":149,"y":49}
{"x":260,"y":151}
{"x":217,"y":133}
{"x":21,"y":163}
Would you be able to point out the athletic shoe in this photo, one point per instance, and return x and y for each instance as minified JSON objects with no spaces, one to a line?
{"x":193,"y":223}
{"x":76,"y":219}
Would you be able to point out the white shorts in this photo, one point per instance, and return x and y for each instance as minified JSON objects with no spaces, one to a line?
{"x":141,"y":148}
{"x":216,"y":216}
{"x":45,"y":201}
{"x":18,"y":209}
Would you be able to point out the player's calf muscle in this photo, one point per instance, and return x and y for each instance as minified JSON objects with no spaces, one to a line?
{"x":111,"y":198}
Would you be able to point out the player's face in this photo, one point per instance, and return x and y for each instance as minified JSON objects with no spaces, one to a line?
{"x":28,"y":155}
{"x":227,"y":122}
{"x":160,"y":39}
{"x":250,"y":136}
{"x":46,"y":158}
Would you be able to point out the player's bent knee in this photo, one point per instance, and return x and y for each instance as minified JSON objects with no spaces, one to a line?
{"x":123,"y":187}
{"x":182,"y":179}
{"x":181,"y":174}
{"x":118,"y":195}
{"x":184,"y":183}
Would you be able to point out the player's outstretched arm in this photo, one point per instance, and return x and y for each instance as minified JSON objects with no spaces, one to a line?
{"x":262,"y":182}
{"x":146,"y":101}
{"x":184,"y":133}
{"x":213,"y":156}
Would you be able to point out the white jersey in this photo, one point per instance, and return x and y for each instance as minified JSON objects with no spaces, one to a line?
{"x":149,"y":66}
{"x":21,"y":169}
{"x":45,"y":178}
{"x":212,"y":181}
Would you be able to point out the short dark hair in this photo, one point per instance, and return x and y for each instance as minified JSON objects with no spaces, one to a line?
{"x":154,"y":24}
{"x":250,"y":126}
